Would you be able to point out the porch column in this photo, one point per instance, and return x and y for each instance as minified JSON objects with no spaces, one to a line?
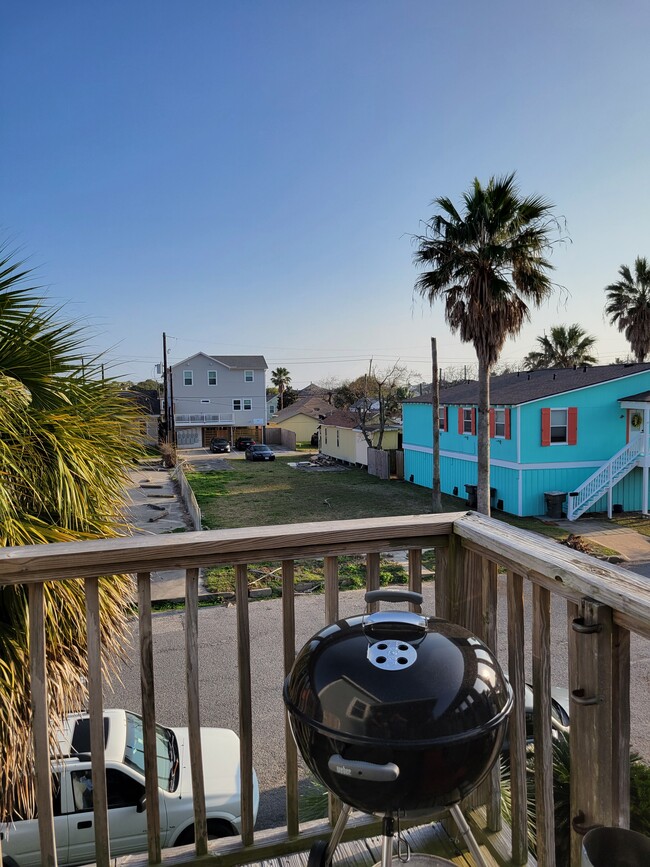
{"x":646,"y":434}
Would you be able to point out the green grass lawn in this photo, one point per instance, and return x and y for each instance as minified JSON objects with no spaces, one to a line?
{"x":256,"y":494}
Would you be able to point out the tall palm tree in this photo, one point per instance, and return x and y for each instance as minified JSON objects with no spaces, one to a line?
{"x":567,"y":346}
{"x":65,"y":439}
{"x":628,"y":306}
{"x":281,"y":378}
{"x":487,"y":262}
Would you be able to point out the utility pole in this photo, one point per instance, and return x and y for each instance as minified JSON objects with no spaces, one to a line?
{"x":166,"y":389}
{"x":436,"y":498}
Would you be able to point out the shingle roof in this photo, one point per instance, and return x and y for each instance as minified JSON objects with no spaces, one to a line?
{"x":242,"y":362}
{"x":525,"y":386}
{"x":314,"y":407}
{"x":342,"y":418}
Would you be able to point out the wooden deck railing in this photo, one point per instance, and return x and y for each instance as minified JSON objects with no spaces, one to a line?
{"x":604,"y":603}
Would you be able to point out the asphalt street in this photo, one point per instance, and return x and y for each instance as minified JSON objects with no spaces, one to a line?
{"x":218,"y":676}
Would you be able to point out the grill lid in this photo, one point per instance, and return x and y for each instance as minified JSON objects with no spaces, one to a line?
{"x":397,"y":678}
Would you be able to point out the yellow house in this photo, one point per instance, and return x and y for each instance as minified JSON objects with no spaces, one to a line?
{"x":302,"y":417}
{"x":341,"y":437}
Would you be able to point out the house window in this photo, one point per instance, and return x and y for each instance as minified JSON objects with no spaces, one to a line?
{"x":468,"y":420}
{"x":338,"y":437}
{"x":212,"y":377}
{"x":559,"y":426}
{"x":248,"y":376}
{"x":442,"y":418}
{"x":236,"y":404}
{"x":499,"y":422}
{"x":188,"y":377}
{"x":325,"y":436}
{"x":248,"y":403}
{"x":205,"y":400}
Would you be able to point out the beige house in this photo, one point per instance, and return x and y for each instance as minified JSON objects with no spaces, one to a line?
{"x":342,"y":438}
{"x":302,"y":417}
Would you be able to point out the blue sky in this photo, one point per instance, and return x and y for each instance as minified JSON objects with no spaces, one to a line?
{"x":246,"y":175}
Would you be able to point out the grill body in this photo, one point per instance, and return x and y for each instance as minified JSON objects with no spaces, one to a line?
{"x":397,"y":713}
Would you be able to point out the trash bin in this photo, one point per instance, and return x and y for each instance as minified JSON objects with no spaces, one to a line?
{"x":554,"y":501}
{"x":471,"y":496}
{"x":615,"y":847}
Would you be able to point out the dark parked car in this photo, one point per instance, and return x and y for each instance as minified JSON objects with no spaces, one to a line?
{"x":219,"y":444}
{"x":242,"y":443}
{"x":259,"y":453}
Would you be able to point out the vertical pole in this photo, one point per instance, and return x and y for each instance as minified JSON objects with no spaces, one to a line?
{"x":165,"y":386}
{"x":609,"y":493}
{"x":436,"y":500}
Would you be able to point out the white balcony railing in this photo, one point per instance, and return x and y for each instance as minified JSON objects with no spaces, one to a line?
{"x":209,"y":418}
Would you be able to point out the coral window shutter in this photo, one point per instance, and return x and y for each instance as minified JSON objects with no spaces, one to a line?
{"x":546,"y":427}
{"x":445,"y":417}
{"x":506,"y":416}
{"x":460,"y":420}
{"x":473,"y":431}
{"x":572,"y":419}
{"x":492,"y":425}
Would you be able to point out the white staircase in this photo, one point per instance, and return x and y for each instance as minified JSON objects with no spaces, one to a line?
{"x":604,"y":479}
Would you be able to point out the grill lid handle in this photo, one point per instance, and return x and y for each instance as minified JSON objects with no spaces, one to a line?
{"x":393,"y":596}
{"x":363,"y":770}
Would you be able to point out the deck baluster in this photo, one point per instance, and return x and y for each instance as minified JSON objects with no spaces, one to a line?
{"x":517,"y":723}
{"x":245,"y":703}
{"x":193,"y":713}
{"x":149,"y":717}
{"x":289,"y":646}
{"x":542,"y":729}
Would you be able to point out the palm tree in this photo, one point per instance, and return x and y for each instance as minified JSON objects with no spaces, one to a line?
{"x":281,"y":378}
{"x":65,"y":438}
{"x":487,"y":262}
{"x":567,"y":346}
{"x":628,"y":306}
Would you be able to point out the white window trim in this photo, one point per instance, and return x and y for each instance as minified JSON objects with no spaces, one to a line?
{"x":249,"y":401}
{"x":467,"y":417}
{"x":499,"y":409}
{"x":191,"y":377}
{"x":234,"y":401}
{"x":565,"y":441}
{"x":252,"y":373}
{"x":216,"y":378}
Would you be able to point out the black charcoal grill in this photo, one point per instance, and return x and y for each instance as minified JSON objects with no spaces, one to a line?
{"x":397,"y":714}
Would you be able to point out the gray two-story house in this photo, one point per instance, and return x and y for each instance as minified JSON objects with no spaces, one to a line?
{"x":218,"y":395}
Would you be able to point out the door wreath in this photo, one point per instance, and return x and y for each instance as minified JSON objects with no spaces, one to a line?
{"x":636,"y":420}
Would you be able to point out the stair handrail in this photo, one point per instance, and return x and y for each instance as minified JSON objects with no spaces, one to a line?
{"x":607,"y":473}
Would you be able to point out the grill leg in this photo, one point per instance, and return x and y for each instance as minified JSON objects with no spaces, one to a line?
{"x":387,"y":841}
{"x":337,"y":833}
{"x":467,"y":835}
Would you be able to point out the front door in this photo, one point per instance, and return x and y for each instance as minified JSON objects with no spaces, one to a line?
{"x":635,"y":422}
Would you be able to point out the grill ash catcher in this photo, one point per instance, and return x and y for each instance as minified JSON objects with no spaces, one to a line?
{"x":399,"y":715}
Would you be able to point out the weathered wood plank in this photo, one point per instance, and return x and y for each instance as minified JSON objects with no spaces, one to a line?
{"x":517,"y":723}
{"x":415,"y":575}
{"x":96,"y":709}
{"x":331,"y":571}
{"x":489,"y":600}
{"x":27,"y":563}
{"x":289,"y":649}
{"x":499,"y":844}
{"x":560,"y":569}
{"x":372,"y":577}
{"x":148,"y":716}
{"x":245,"y":703}
{"x":621,"y":724}
{"x":541,"y":726}
{"x":38,"y":686}
{"x":193,"y":713}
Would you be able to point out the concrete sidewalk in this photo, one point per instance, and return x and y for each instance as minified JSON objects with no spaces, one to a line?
{"x":154,"y":506}
{"x":632,"y":547}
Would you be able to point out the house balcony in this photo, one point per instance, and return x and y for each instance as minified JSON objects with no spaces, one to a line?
{"x":604,"y":605}
{"x":204,"y":418}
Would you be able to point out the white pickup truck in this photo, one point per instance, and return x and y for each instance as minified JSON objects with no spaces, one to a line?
{"x":73,"y":791}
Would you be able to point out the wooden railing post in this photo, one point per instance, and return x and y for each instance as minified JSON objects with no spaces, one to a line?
{"x":600,"y":731}
{"x":517,"y":723}
{"x":245,"y":703}
{"x":289,"y":648}
{"x":544,"y":811}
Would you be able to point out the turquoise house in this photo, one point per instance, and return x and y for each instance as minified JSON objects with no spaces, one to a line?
{"x":581,"y":432}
